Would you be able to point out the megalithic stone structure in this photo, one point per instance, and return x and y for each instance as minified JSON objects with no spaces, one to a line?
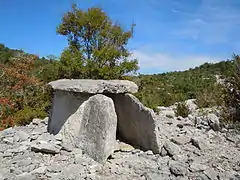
{"x":88,"y":114}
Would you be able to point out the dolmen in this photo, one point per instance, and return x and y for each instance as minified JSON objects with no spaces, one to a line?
{"x":92,"y":114}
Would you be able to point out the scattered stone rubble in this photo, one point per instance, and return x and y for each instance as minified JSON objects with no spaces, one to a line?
{"x":187,"y":153}
{"x":190,"y":148}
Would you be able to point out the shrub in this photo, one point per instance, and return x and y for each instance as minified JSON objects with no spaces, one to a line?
{"x":22,"y":95}
{"x":210,"y":96}
{"x":25,"y":116}
{"x":182,"y":110}
{"x":230,"y":112}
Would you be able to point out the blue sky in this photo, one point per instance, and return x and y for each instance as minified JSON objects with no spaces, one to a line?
{"x":169,"y":34}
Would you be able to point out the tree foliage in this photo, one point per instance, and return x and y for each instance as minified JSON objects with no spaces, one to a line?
{"x":20,"y":89}
{"x":97,"y":46}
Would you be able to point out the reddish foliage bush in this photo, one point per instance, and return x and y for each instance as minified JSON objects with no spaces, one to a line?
{"x":19,"y":88}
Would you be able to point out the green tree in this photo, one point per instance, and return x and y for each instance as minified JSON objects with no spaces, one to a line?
{"x":97,"y":46}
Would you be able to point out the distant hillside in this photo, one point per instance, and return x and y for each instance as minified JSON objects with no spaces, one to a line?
{"x":154,"y":90}
{"x":167,"y":88}
{"x":43,"y":67}
{"x":6,"y":53}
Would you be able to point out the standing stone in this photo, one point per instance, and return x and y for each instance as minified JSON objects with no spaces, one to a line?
{"x":92,"y":127}
{"x":97,"y":136}
{"x":137,"y":124}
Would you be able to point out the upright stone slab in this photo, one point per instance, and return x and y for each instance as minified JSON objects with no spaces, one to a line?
{"x":97,"y":135}
{"x":136,"y":123}
{"x":92,"y":128}
{"x":65,"y":105}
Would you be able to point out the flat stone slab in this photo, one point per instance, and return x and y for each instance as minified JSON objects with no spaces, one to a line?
{"x":95,"y":86}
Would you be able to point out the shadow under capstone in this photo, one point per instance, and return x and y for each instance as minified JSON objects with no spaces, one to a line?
{"x":64,"y":105}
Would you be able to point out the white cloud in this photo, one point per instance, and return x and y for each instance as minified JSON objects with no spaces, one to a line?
{"x":214,"y":21}
{"x":161,"y":62}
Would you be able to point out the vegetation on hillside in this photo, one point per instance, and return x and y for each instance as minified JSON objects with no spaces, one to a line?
{"x":21,"y":92}
{"x":98,"y":50}
{"x":167,"y":88}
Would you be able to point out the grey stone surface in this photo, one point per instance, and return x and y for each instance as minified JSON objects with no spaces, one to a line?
{"x":65,"y":106}
{"x":180,"y":140}
{"x":178,"y":169}
{"x":95,"y":86}
{"x":92,"y":127}
{"x":199,"y":142}
{"x":197,"y":167}
{"x":171,"y":148}
{"x":97,"y":135}
{"x":211,"y":174}
{"x":45,"y":147}
{"x":26,"y":176}
{"x":217,"y":158}
{"x":213,"y":121}
{"x":137,"y":124}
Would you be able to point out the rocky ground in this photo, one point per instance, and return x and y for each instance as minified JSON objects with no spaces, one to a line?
{"x":191,"y":150}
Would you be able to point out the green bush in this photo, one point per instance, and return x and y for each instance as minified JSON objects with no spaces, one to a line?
{"x":210,"y":96}
{"x":182,"y":110}
{"x":230,"y":113}
{"x":26,"y":115}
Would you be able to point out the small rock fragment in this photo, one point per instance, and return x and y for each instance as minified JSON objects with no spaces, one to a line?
{"x":197,"y":167}
{"x":178,"y":169}
{"x":45,"y":147}
{"x":171,"y":148}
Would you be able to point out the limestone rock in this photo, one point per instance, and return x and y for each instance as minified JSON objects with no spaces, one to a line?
{"x":171,"y":148}
{"x":191,"y":103}
{"x":178,"y":169}
{"x":211,"y":174}
{"x":124,"y":147}
{"x":45,"y":147}
{"x":92,"y":128}
{"x":94,"y":86}
{"x":137,"y":124}
{"x":180,"y":140}
{"x":98,"y":128}
{"x":213,"y":121}
{"x":66,"y":106}
{"x":215,"y":155}
{"x":26,"y":176}
{"x":199,"y":143}
{"x":167,"y":111}
{"x":197,"y":167}
{"x":22,"y":136}
{"x":40,"y":170}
